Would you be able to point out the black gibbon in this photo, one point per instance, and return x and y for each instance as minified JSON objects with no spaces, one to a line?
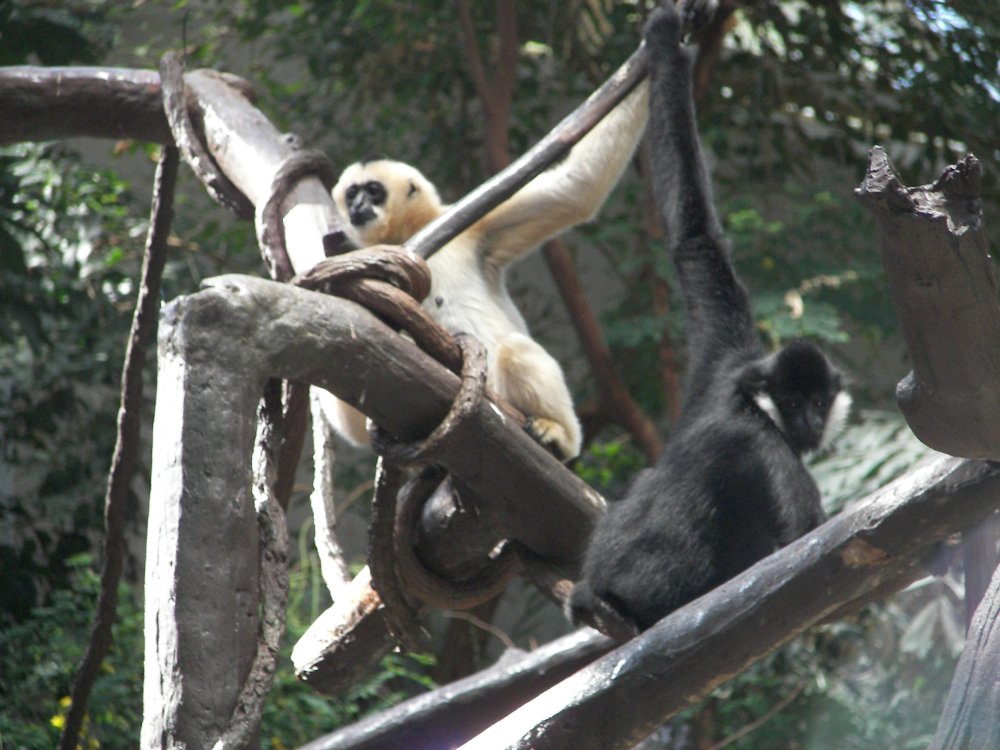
{"x":386,"y":201}
{"x":730,"y":486}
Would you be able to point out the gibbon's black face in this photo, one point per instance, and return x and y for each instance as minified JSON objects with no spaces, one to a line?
{"x":362,"y":199}
{"x":803,"y":394}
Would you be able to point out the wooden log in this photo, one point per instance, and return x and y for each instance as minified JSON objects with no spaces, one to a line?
{"x":451,"y":714}
{"x":944,"y":287}
{"x":217,"y":348}
{"x":42,"y":104}
{"x":969,"y":720}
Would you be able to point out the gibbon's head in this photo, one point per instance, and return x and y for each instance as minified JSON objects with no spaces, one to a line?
{"x":802,"y":393}
{"x":385,"y":201}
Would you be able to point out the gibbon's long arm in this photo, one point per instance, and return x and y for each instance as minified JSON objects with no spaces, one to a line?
{"x":720,"y":320}
{"x":570,"y":192}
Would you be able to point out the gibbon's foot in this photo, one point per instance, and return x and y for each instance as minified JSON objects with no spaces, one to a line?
{"x":551,"y":435}
{"x":584,"y":607}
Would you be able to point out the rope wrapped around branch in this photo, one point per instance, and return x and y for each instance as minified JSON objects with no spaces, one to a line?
{"x":419,"y":580}
{"x":391,"y":281}
{"x":270,"y":227}
{"x":175,"y":106}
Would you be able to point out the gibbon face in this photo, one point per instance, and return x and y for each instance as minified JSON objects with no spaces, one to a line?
{"x":385,"y":201}
{"x":802,"y":393}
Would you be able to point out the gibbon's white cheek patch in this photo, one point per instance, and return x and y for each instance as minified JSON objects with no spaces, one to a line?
{"x":767,"y":405}
{"x":835,"y":420}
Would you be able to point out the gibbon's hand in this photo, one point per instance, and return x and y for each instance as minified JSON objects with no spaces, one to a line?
{"x":696,"y":14}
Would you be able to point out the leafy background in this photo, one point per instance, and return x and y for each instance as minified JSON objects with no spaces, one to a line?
{"x":798,"y":95}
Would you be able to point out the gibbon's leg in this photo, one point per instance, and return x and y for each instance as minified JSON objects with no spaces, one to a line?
{"x":345,"y":419}
{"x":525,"y":374}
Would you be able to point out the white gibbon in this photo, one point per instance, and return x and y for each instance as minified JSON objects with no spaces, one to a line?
{"x":386,"y":202}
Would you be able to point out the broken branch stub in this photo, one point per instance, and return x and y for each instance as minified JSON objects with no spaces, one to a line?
{"x":944,"y":287}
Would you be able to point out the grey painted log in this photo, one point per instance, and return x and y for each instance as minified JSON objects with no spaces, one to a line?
{"x":51,"y":103}
{"x":42,"y":104}
{"x":944,"y":287}
{"x":969,"y":720}
{"x":618,"y":699}
{"x":451,"y":714}
{"x":217,"y":347}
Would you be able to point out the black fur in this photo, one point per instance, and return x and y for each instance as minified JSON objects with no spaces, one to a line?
{"x":361,"y":200}
{"x":730,"y":486}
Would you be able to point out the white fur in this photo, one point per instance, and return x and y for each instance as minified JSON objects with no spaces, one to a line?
{"x":468,"y":291}
{"x":767,"y":405}
{"x":837,"y":417}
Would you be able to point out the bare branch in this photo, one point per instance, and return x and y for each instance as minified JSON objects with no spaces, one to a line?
{"x":614,"y":395}
{"x":455,"y":712}
{"x":43,"y":104}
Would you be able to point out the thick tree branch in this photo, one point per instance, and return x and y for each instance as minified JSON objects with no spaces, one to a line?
{"x":453,"y":713}
{"x":944,"y":286}
{"x":218,"y":347}
{"x":42,"y":104}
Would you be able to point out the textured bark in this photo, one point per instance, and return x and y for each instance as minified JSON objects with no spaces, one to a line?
{"x":979,"y":560}
{"x":41,"y":104}
{"x":944,"y":287}
{"x":969,"y":720}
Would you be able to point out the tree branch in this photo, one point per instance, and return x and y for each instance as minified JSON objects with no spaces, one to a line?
{"x":455,"y":712}
{"x":550,"y":149}
{"x":944,"y":287}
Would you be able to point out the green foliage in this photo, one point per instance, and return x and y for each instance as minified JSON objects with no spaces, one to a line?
{"x":839,"y":687}
{"x":40,"y":655}
{"x":294,"y":713}
{"x":41,"y":652}
{"x":72,"y":31}
{"x":607,"y":466}
{"x":868,"y":455}
{"x":64,"y":246}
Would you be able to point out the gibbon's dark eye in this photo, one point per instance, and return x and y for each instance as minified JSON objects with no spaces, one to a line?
{"x":413,"y":189}
{"x":376,"y":192}
{"x":352,"y":191}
